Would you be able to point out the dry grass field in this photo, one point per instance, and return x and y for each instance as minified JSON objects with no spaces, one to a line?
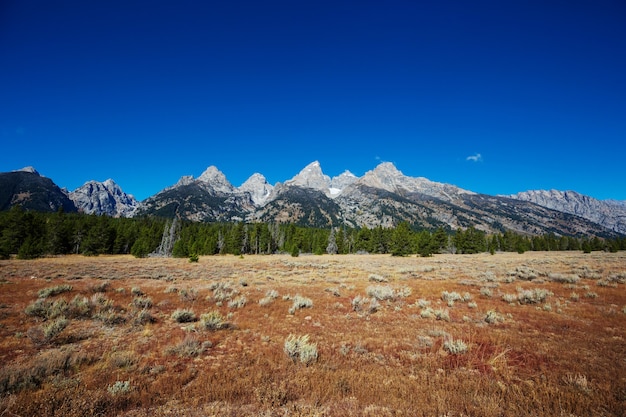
{"x":533,"y":334}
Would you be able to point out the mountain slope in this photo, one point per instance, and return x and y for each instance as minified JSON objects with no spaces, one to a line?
{"x":610,"y":214}
{"x":299,"y":205}
{"x":258,"y":188}
{"x":106,"y":197}
{"x":32,"y":191}
{"x":209,"y":198}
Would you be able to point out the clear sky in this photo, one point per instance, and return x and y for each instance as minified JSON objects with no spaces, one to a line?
{"x":493,"y":96}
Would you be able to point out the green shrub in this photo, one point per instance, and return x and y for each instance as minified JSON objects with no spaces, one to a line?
{"x":41,"y":335}
{"x":381,"y":292}
{"x":80,"y":308}
{"x":238,"y":302}
{"x":486,"y":292}
{"x":360,"y":303}
{"x":142,"y":302}
{"x":222,"y":291}
{"x":189,"y":347}
{"x":377,"y":278}
{"x":119,"y":388}
{"x":212,"y":321}
{"x":300,"y":302}
{"x":184,"y":316}
{"x":564,"y":278}
{"x":492,"y":317}
{"x":298,"y":348}
{"x":144,"y":317}
{"x":270,"y":296}
{"x":455,"y":347}
{"x":52,"y":291}
{"x":102,"y":287}
{"x":442,"y":315}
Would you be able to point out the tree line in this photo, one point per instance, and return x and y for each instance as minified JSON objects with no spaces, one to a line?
{"x":28,"y":234}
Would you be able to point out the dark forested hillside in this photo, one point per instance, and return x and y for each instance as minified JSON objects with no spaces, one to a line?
{"x":32,"y":192}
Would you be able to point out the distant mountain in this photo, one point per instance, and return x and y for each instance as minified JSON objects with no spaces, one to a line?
{"x":311,"y":177}
{"x":383,"y":196}
{"x":610,"y":214}
{"x":211,"y":197}
{"x":32,"y":191}
{"x":304,"y":206}
{"x":258,"y":188}
{"x":216,"y":180}
{"x":338,"y":183}
{"x":104,"y":198}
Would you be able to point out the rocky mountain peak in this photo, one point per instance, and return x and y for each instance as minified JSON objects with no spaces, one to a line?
{"x":385,"y":176}
{"x":258,"y":187}
{"x":311,"y":177}
{"x":104,"y":198}
{"x":343,"y":180}
{"x":28,"y":169}
{"x":216,"y":179}
{"x":184,"y":180}
{"x":110,"y":184}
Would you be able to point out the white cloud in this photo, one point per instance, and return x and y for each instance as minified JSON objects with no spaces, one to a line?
{"x":475,"y":158}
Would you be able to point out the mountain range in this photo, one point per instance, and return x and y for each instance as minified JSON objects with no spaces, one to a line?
{"x":383,"y":196}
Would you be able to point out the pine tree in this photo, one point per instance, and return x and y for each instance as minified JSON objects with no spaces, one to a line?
{"x":401,"y":240}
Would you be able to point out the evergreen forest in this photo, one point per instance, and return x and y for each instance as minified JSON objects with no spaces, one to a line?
{"x":29,"y":234}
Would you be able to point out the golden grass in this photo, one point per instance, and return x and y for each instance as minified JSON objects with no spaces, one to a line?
{"x":561,"y":357}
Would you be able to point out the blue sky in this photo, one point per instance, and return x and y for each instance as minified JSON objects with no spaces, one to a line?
{"x":493,"y":96}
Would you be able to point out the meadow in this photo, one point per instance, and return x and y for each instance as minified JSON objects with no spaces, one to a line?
{"x":532,"y":334}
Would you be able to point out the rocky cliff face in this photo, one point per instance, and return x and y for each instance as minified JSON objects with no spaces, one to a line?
{"x":610,"y":214}
{"x":258,"y":188}
{"x":341,"y":182}
{"x":387,"y":177}
{"x":311,"y":177}
{"x":106,"y":197}
{"x":217,"y":180}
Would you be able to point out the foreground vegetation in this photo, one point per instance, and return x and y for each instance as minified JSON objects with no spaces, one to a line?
{"x":539,"y":333}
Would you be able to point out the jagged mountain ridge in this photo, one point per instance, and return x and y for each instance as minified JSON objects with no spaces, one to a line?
{"x":106,"y":197}
{"x":383,"y":196}
{"x":610,"y":214}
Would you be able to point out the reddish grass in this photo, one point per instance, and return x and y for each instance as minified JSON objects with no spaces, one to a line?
{"x":566,"y":360}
